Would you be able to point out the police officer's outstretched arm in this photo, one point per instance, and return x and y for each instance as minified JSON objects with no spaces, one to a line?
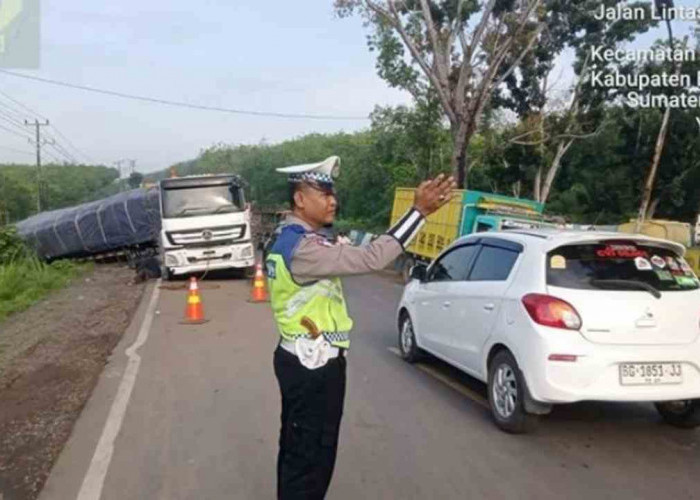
{"x":315,"y":258}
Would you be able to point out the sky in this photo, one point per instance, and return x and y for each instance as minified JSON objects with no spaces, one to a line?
{"x":292,"y":57}
{"x":274,"y":56}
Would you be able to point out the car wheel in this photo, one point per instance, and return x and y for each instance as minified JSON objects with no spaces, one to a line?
{"x":407,"y":340}
{"x":684,"y":413}
{"x":506,"y":394}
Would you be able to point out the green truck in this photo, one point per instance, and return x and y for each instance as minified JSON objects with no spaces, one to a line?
{"x":467,"y":212}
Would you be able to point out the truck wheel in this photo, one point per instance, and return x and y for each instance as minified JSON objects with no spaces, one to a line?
{"x":506,"y":393}
{"x":249,"y":272}
{"x":408,"y":263}
{"x":165,"y":273}
{"x":684,"y":414}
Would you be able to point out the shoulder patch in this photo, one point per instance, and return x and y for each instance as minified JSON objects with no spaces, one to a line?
{"x":317,"y":238}
{"x":287,"y":242}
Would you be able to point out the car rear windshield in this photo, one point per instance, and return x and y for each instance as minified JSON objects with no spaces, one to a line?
{"x":628,"y":266}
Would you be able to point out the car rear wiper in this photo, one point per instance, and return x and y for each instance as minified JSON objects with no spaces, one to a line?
{"x":627,"y":284}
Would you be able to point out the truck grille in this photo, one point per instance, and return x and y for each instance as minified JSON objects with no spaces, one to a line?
{"x":207,"y":236}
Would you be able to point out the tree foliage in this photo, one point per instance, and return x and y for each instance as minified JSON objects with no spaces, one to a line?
{"x":62,"y":186}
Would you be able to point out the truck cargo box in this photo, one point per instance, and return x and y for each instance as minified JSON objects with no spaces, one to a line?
{"x":124,"y":220}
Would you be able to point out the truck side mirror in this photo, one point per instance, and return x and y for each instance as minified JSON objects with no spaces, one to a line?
{"x":419,"y":272}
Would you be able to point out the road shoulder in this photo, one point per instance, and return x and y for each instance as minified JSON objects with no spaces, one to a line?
{"x":69,"y":470}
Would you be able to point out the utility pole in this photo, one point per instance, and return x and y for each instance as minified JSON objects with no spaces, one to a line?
{"x":5,"y":208}
{"x":118,"y":163}
{"x":37,"y":124}
{"x":132,"y":166}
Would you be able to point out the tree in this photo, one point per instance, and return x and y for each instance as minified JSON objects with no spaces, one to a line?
{"x":135,"y":180}
{"x":461,"y":59}
{"x":549,"y":127}
{"x":646,"y":205}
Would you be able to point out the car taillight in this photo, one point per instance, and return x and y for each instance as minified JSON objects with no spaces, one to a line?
{"x":551,"y":311}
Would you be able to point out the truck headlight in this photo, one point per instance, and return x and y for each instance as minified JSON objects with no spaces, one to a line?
{"x":171,"y":260}
{"x":247,"y":252}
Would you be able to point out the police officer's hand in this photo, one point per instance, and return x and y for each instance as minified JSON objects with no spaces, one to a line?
{"x":434,"y":193}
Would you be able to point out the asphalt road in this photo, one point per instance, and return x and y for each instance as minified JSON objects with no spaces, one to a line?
{"x":202,"y":420}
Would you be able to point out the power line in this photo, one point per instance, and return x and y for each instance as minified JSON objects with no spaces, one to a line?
{"x":183,"y":104}
{"x":13,"y":132}
{"x":58,"y":147}
{"x":53,"y":157}
{"x":31,"y":111}
{"x":27,"y":108}
{"x":17,"y":150}
{"x":67,"y":141}
{"x":2,"y":117}
{"x":9,"y":118}
{"x":12,"y":111}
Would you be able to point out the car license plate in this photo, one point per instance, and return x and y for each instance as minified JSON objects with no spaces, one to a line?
{"x":651,"y":373}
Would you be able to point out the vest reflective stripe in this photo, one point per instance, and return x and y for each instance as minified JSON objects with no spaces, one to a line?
{"x":323,"y":302}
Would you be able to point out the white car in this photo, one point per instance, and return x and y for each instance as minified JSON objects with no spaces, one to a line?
{"x":546,"y":317}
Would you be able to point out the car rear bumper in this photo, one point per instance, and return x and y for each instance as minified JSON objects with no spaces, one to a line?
{"x":595,"y":375}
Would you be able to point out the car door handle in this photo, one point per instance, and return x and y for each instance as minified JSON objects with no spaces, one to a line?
{"x":446,"y":304}
{"x":490,"y":307}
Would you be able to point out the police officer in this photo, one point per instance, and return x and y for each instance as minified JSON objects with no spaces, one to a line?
{"x":303,"y":269}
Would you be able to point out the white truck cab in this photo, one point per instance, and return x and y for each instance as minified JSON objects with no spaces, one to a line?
{"x":205,"y":225}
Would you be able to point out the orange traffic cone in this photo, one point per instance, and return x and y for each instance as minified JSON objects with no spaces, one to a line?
{"x":194,"y":312}
{"x":258,"y":292}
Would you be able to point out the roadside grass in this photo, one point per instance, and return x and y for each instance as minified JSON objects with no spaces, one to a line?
{"x":26,"y":280}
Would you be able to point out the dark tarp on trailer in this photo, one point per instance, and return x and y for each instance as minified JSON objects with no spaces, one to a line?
{"x":120,"y":221}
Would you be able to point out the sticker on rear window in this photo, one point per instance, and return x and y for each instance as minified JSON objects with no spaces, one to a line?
{"x":557,"y":262}
{"x":685,"y":281}
{"x":621,"y":252}
{"x":664,"y":275}
{"x":686,"y":268}
{"x":658,"y":262}
{"x":672,"y":264}
{"x":642,"y":264}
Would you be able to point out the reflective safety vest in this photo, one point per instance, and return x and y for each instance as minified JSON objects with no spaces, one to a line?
{"x":321,"y":301}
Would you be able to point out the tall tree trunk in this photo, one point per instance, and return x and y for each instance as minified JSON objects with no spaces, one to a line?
{"x":651,"y":211}
{"x":460,"y":140}
{"x":538,"y":183}
{"x":562,"y":148}
{"x":649,"y":184}
{"x":516,"y":189}
{"x":660,"y":142}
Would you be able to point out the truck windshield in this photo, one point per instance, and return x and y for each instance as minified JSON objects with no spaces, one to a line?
{"x":628,"y":266}
{"x":205,"y":200}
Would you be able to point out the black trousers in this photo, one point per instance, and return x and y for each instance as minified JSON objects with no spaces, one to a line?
{"x":312,"y":406}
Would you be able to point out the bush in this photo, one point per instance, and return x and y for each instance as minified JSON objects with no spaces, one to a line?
{"x":12,"y":247}
{"x":26,"y":280}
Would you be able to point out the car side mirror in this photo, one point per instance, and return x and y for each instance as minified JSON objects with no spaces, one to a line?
{"x":419,"y":272}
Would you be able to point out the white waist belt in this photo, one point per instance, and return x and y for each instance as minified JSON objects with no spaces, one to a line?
{"x":289,"y":346}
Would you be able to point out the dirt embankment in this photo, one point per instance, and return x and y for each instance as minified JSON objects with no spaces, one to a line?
{"x":51,"y":356}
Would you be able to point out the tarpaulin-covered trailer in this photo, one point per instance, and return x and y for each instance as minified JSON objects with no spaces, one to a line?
{"x":125,"y":220}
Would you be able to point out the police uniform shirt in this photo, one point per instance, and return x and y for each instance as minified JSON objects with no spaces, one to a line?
{"x":315,"y":257}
